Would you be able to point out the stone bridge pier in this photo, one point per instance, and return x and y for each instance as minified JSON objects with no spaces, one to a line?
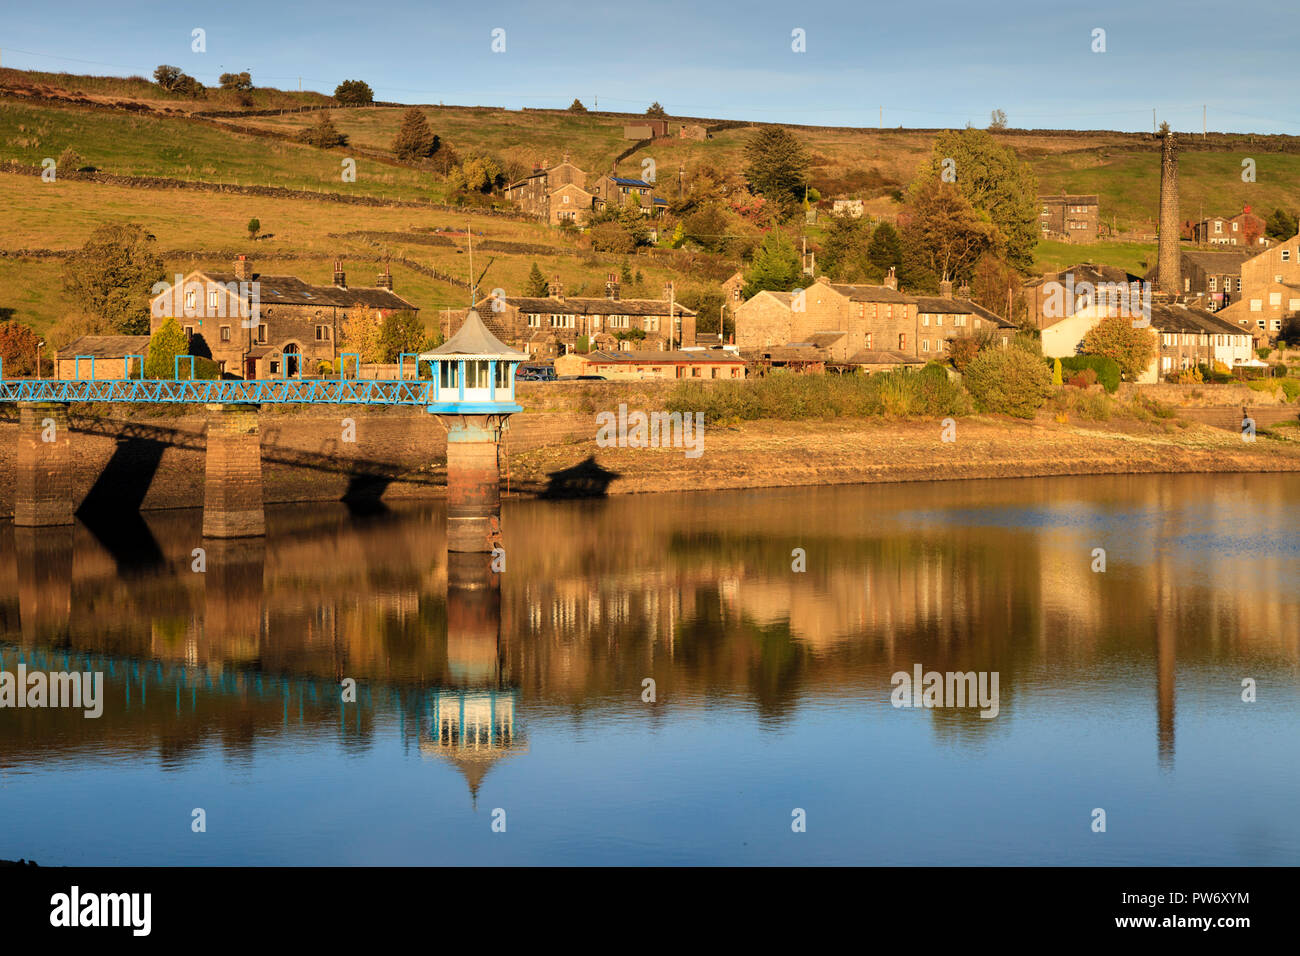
{"x":232,"y":488}
{"x":43,"y":483}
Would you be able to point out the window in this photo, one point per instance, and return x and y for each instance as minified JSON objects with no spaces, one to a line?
{"x":1218,"y":226}
{"x":1276,"y":325}
{"x":534,"y":321}
{"x":261,"y":335}
{"x":652,"y":323}
{"x":212,"y":300}
{"x":1275,"y":299}
{"x":1234,"y":226}
{"x":189,"y":331}
{"x":960,"y":320}
{"x":866,"y":342}
{"x":275,"y":368}
{"x":322,"y":333}
{"x":938,"y":320}
{"x":1166,"y":364}
{"x":225,"y":333}
{"x":503,"y":375}
{"x":190,"y":298}
{"x":1286,"y":255}
{"x":925,"y":345}
{"x":902,"y":341}
{"x":925,"y":320}
{"x":448,"y":375}
{"x":1256,"y":305}
{"x":1213,"y":282}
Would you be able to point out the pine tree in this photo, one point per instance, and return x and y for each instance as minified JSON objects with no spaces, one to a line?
{"x":536,"y":287}
{"x":775,"y":266}
{"x":414,"y":139}
{"x":777,"y":166}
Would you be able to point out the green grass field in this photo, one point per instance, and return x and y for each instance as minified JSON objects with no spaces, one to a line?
{"x":1136,"y":257}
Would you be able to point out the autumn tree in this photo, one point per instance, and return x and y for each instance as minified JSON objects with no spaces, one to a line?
{"x":167,"y":76}
{"x":997,"y":120}
{"x":362,"y":334}
{"x":477,"y":174}
{"x":996,"y":286}
{"x":415,"y":139}
{"x":113,"y":276}
{"x":997,"y":184}
{"x":1132,"y":349}
{"x":775,"y":266}
{"x":241,"y":82}
{"x":18,"y":347}
{"x":945,"y":233}
{"x":777,"y":166}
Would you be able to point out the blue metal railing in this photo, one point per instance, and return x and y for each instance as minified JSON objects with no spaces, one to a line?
{"x":227,"y":392}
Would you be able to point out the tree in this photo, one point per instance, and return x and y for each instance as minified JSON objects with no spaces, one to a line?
{"x":401,"y":332}
{"x":113,"y":275}
{"x":477,"y":174}
{"x":997,"y":120}
{"x":324,"y":134}
{"x":611,"y":236}
{"x":997,"y":184}
{"x":254,"y":227}
{"x":1008,"y":382}
{"x":189,"y":86}
{"x":354,"y":92}
{"x":962,"y":351}
{"x":69,"y":161}
{"x":415,"y":139}
{"x":777,"y":166}
{"x":164,"y":345}
{"x":843,"y":255}
{"x":708,"y":227}
{"x":655,"y":110}
{"x":576,"y":106}
{"x":946,"y":234}
{"x":167,"y":76}
{"x":17,"y":348}
{"x":885,"y":251}
{"x":1281,"y":225}
{"x":536,"y":286}
{"x":775,"y":266}
{"x":241,"y":82}
{"x":996,"y":286}
{"x":362,"y":334}
{"x":1116,"y":338}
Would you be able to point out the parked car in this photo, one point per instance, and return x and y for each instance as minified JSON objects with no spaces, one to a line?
{"x":535,"y":373}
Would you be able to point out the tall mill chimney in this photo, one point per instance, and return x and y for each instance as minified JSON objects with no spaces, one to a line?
{"x":1169,"y":270}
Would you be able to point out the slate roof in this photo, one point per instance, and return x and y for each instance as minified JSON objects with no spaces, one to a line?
{"x":593,"y":306}
{"x":872,"y":293}
{"x":675,"y":356}
{"x":1089,"y":272}
{"x":630,"y":182}
{"x":105,"y":346}
{"x":1173,"y":318}
{"x":474,"y":339}
{"x":290,"y":290}
{"x":883,"y":357}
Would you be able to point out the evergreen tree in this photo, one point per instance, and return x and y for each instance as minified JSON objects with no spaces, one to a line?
{"x":324,"y":134}
{"x":885,"y":251}
{"x":1281,"y":225}
{"x":775,"y":266}
{"x":777,"y":166}
{"x":164,"y":345}
{"x":415,"y":139}
{"x":536,"y":286}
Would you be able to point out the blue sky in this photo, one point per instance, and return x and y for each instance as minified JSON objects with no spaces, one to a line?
{"x":939,"y":63}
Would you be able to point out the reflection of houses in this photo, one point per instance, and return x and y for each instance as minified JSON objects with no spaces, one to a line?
{"x":261,"y":326}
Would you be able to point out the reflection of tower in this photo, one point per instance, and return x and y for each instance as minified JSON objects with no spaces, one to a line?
{"x":1166,"y":674}
{"x":44,"y":560}
{"x":472,"y":722}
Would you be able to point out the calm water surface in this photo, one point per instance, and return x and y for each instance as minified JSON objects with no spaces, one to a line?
{"x":1119,"y":690}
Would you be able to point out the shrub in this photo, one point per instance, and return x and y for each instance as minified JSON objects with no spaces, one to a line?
{"x":1263,"y":352}
{"x":1105,"y":370}
{"x":353,"y":92}
{"x":961,"y":351}
{"x":324,"y":134}
{"x":1086,"y":378}
{"x":1291,"y":387}
{"x":1008,"y":381}
{"x":1056,"y":371}
{"x":1116,"y":337}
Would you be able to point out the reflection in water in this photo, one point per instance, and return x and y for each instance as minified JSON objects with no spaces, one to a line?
{"x":771,"y":686}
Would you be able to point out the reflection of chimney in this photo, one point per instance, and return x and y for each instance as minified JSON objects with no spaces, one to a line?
{"x":340,"y":279}
{"x":243,"y":268}
{"x":891,"y":280}
{"x":1169,"y":268}
{"x":385,"y":279}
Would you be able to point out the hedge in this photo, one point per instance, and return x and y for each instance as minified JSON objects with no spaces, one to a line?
{"x":1107,"y":369}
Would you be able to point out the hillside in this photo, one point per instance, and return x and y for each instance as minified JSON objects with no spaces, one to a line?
{"x":195,"y":180}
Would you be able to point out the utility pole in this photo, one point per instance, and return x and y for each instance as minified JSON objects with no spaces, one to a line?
{"x":1205,"y":130}
{"x":672,"y":311}
{"x":1154,"y":128}
{"x":881,"y":124}
{"x":473,"y":300}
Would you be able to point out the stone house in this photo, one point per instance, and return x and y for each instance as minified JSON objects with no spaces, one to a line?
{"x":639,"y":365}
{"x":694,"y":131}
{"x":256,"y":325}
{"x":1069,"y":218}
{"x":101,"y":357}
{"x":646,"y":129}
{"x":616,"y":189}
{"x":547,"y":327}
{"x":568,"y":203}
{"x":1211,"y":275}
{"x":1055,"y":295}
{"x":1243,"y":229}
{"x":869,"y":326}
{"x":1270,"y":288}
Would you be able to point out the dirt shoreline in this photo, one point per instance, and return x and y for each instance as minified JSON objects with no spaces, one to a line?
{"x":130,"y":462}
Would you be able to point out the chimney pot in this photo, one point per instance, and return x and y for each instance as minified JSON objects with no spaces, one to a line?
{"x":243,"y":269}
{"x":340,"y":278}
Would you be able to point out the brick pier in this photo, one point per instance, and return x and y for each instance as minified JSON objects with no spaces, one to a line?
{"x":232,"y":492}
{"x":43,"y":482}
{"x":473,"y":482}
